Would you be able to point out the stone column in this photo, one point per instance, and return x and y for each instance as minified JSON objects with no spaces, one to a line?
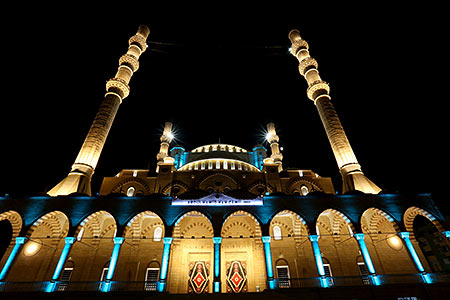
{"x":106,"y":286}
{"x":269,"y":266}
{"x":367,"y":260}
{"x":19,"y":242}
{"x":79,"y":178}
{"x":414,"y":256}
{"x":62,"y":260}
{"x":217,"y":242}
{"x":164,"y":264}
{"x":318,"y":258}
{"x":318,"y":91}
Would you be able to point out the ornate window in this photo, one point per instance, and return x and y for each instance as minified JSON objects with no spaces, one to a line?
{"x":130,"y":191}
{"x":277,"y":233}
{"x":157,"y":234}
{"x":304,"y":190}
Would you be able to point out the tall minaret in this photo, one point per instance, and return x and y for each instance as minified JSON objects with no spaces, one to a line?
{"x":318,"y":91}
{"x":273,"y":140}
{"x":79,"y":178}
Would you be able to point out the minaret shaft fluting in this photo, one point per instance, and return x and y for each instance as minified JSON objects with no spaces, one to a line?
{"x":318,"y":91}
{"x":79,"y":178}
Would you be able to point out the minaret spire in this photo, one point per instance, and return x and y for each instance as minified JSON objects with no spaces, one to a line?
{"x":318,"y":91}
{"x":79,"y":178}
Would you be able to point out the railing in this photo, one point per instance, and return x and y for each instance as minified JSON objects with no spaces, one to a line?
{"x":285,"y":283}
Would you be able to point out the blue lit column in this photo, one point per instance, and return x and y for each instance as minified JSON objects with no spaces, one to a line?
{"x":217,"y":241}
{"x":19,"y":242}
{"x":62,"y":260}
{"x":318,"y":257}
{"x":446,"y":234}
{"x":365,"y":253}
{"x":415,"y":257}
{"x":112,"y":264}
{"x":164,"y":264}
{"x":269,"y":267}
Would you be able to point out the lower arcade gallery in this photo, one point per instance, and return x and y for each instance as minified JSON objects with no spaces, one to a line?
{"x":207,"y":249}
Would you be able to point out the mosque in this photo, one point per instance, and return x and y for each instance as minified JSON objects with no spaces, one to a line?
{"x":220,"y":218}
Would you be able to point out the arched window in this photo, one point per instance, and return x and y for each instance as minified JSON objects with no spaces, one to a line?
{"x":304,"y":190}
{"x":276,"y":233}
{"x":157,"y":234}
{"x":130,"y":192}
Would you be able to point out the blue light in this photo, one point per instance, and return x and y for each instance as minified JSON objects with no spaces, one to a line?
{"x":217,"y":241}
{"x":318,"y":256}
{"x":269,"y":267}
{"x":62,"y":260}
{"x":365,"y":252}
{"x":446,"y":234}
{"x":412,"y":251}
{"x":375,"y":279}
{"x":324,"y":281}
{"x":112,"y":263}
{"x":19,"y":242}
{"x":164,"y":264}
{"x":216,"y":286}
{"x":426,"y":277}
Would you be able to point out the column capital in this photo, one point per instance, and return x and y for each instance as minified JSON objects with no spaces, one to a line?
{"x":404,"y":235}
{"x":359,"y":236}
{"x":167,"y":240}
{"x":217,"y":240}
{"x":20,"y":240}
{"x":118,"y":240}
{"x":70,"y":240}
{"x":313,"y":238}
{"x":266,"y":239}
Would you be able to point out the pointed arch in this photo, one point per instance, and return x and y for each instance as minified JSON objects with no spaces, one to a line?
{"x":411,"y":213}
{"x":96,"y":226}
{"x":253,"y":227}
{"x":16,"y":222}
{"x":337,"y":222}
{"x":297,"y":226}
{"x":375,"y":221}
{"x":143,"y":224}
{"x":186,"y":224}
{"x":53,"y":225}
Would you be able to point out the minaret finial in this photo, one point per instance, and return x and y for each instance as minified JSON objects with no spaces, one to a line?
{"x":318,"y":91}
{"x":79,"y":178}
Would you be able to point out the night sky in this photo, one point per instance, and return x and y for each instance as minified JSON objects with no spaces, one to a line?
{"x":222,"y":73}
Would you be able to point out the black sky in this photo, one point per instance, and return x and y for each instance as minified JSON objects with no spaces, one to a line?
{"x":223,"y":73}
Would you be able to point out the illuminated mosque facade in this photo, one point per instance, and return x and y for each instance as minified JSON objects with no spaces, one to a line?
{"x":218,"y":218}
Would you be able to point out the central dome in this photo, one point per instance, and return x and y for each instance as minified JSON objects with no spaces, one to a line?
{"x":219,"y":156}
